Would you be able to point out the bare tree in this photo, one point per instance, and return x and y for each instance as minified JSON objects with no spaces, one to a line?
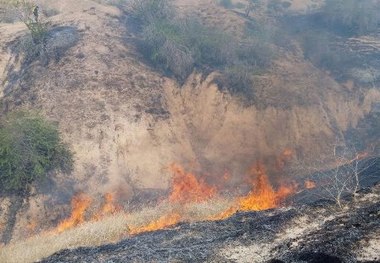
{"x":339,"y":174}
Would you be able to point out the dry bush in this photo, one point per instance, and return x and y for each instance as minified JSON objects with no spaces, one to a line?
{"x":346,"y":170}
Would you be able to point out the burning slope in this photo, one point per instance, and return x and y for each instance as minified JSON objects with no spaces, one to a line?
{"x":109,"y":207}
{"x":262,"y":195}
{"x":188,"y":189}
{"x":79,"y":205}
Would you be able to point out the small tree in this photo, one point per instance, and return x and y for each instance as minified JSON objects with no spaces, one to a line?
{"x":30,"y":148}
{"x":29,"y":14}
{"x":343,"y":176}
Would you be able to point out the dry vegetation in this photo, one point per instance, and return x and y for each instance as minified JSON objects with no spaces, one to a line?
{"x":178,"y":47}
{"x":107,"y":230}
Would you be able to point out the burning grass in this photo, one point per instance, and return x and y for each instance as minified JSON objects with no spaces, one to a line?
{"x":107,"y":230}
{"x":191,"y":199}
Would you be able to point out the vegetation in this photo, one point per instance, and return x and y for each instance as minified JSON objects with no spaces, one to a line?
{"x":226,"y":3}
{"x":30,"y":148}
{"x":352,"y":16}
{"x":29,"y":14}
{"x":348,"y":169}
{"x":323,"y":33}
{"x":178,"y":45}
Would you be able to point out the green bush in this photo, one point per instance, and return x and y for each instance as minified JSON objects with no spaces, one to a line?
{"x":179,"y":44}
{"x":150,"y":11}
{"x":30,"y":148}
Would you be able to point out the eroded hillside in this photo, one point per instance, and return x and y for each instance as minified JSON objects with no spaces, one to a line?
{"x":127,"y":121}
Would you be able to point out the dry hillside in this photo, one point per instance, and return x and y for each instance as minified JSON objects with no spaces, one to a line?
{"x":126,"y":121}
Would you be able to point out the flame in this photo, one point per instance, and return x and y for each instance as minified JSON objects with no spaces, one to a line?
{"x":262,"y":195}
{"x":186,"y":188}
{"x":79,"y":205}
{"x":310,"y":184}
{"x":285,"y":157}
{"x":163,"y":222}
{"x":109,"y":207}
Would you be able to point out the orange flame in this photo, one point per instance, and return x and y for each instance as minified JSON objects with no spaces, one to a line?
{"x":186,"y":188}
{"x":163,"y":222}
{"x":109,"y":207}
{"x":261,"y":197}
{"x":310,"y":184}
{"x":79,"y":205}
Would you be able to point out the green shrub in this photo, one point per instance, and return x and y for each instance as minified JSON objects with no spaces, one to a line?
{"x":179,"y":44}
{"x":30,"y":148}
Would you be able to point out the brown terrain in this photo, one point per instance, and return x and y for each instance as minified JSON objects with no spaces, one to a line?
{"x":127,"y":122}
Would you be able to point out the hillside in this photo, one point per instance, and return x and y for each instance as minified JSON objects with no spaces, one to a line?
{"x":128,"y":121}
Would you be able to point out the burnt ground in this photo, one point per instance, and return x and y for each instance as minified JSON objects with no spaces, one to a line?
{"x":318,"y":232}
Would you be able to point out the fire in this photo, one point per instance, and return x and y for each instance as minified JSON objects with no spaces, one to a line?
{"x":163,"y":222}
{"x":285,"y":157}
{"x":262,"y":195}
{"x":79,"y":205}
{"x":310,"y":184}
{"x":109,"y":207}
{"x":186,"y":188}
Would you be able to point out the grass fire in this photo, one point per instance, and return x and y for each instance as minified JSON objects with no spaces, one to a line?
{"x":210,"y":131}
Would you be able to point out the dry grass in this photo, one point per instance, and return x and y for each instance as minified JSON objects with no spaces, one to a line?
{"x":89,"y":234}
{"x":108,"y":230}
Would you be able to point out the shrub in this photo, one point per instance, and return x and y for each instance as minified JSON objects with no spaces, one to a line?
{"x":178,"y":45}
{"x":237,"y":80}
{"x":163,"y":45}
{"x":352,"y":16}
{"x":320,"y":49}
{"x":226,"y":3}
{"x":150,"y":11}
{"x":30,"y":148}
{"x":29,"y":14}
